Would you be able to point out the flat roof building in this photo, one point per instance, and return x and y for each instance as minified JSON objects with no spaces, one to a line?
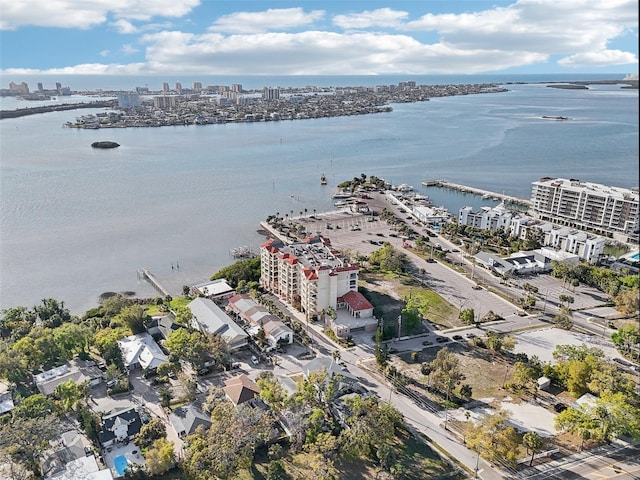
{"x":599,"y":208}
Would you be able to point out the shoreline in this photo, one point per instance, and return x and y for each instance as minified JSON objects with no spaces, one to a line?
{"x":508,"y":199}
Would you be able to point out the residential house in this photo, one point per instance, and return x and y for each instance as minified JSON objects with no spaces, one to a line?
{"x":141,"y":351}
{"x":119,"y":426}
{"x":209,"y":318}
{"x":71,"y":457}
{"x":276,"y":332}
{"x":215,"y":290}
{"x":241,"y":389}
{"x":187,"y":418}
{"x":78,"y":371}
{"x":161,"y":326}
{"x":6,"y":402}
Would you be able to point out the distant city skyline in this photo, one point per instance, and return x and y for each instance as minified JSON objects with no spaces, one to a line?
{"x":199,"y":37}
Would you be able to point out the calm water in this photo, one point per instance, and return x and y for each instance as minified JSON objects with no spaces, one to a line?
{"x":76,"y":222}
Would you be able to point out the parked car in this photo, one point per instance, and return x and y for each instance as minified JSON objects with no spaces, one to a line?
{"x":457,"y":337}
{"x":559,"y":407}
{"x":442,"y":339}
{"x":254,"y":360}
{"x":470,"y":335}
{"x":427,"y":342}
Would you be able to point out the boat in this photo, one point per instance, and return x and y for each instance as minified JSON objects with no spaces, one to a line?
{"x":323,"y":179}
{"x":342,"y":195}
{"x":341,"y":203}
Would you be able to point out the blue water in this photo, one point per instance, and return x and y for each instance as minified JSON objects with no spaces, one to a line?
{"x":635,"y":256}
{"x":120,"y":463}
{"x":76,"y":222}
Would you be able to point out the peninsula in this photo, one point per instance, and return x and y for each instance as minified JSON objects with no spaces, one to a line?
{"x":273,"y":104}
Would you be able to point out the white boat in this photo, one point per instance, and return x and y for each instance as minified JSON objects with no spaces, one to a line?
{"x":342,"y":195}
{"x":341,"y":203}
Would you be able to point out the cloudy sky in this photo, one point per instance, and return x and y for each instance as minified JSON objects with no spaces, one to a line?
{"x":333,"y":37}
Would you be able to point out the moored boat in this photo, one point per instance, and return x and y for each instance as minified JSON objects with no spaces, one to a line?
{"x":323,"y":179}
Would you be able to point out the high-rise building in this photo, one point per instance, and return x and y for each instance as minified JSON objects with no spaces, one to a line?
{"x":236,"y":87}
{"x":269,"y":94}
{"x":19,"y":87}
{"x":165,"y":87}
{"x":40,"y":87}
{"x":178,"y":87}
{"x":197,"y":86}
{"x":590,"y":206}
{"x":58,"y":85}
{"x":164,"y":102}
{"x":128,"y":100}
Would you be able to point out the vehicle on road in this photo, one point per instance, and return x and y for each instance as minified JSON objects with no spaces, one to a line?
{"x":457,"y":337}
{"x":442,"y":339}
{"x":470,"y":335}
{"x":254,"y":360}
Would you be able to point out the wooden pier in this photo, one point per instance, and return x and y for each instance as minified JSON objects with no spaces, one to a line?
{"x":148,"y":276}
{"x":477,"y":191}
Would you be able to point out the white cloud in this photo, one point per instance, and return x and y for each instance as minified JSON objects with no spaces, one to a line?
{"x":105,"y":53}
{"x":128,"y":49}
{"x":382,"y":17}
{"x":601,"y":58}
{"x":84,"y":14}
{"x":124,"y":26}
{"x":268,"y":20}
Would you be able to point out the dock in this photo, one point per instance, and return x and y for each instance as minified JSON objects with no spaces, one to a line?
{"x":149,"y":277}
{"x":242,"y":252}
{"x":477,"y":191}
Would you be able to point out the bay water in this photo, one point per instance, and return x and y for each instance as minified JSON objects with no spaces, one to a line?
{"x":76,"y":222}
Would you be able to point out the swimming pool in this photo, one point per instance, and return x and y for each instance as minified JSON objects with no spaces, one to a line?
{"x":635,"y":256}
{"x":120,"y":463}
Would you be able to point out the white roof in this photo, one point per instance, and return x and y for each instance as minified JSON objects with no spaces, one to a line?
{"x":215,"y":287}
{"x":142,"y":349}
{"x":213,"y":320}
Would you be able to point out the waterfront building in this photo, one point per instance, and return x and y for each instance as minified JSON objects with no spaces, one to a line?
{"x":164,"y":102}
{"x":197,"y":86}
{"x":21,"y":88}
{"x":254,"y":314}
{"x":611,"y":211}
{"x":210,"y":319}
{"x":236,"y":87}
{"x":486,"y":218}
{"x":165,"y":87}
{"x":40,"y":87}
{"x":430,"y":215}
{"x":269,"y":94}
{"x":128,"y":100}
{"x":178,"y":87}
{"x":314,"y":278}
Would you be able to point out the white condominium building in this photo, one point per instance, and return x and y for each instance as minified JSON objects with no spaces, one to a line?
{"x":590,"y":206}
{"x":311,"y":273}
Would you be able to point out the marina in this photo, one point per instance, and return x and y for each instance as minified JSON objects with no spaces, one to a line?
{"x":485,"y":194}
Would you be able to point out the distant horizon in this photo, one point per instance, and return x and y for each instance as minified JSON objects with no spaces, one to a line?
{"x":284,"y":37}
{"x":301,"y":80}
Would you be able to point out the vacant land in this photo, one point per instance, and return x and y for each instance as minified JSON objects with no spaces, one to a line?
{"x":389,"y":294}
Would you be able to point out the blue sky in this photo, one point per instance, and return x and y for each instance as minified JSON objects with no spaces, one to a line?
{"x":357,"y":37}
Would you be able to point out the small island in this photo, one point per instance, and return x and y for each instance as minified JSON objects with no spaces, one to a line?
{"x":105,"y":144}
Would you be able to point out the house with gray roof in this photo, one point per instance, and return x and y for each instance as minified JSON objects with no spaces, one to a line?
{"x":187,"y":418}
{"x":211,"y":320}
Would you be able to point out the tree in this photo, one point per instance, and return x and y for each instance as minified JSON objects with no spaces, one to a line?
{"x":381,"y":350}
{"x":271,"y":390}
{"x":388,"y":259}
{"x":628,"y":301}
{"x":150,"y":432}
{"x":69,"y":393}
{"x":468,"y":316}
{"x":495,"y":438}
{"x":245,"y":269}
{"x":190,"y":346}
{"x":135,"y":317}
{"x":568,"y":299}
{"x":446,"y":372}
{"x":160,"y":457}
{"x":52,"y":313}
{"x":229,"y":443}
{"x":626,"y":338}
{"x":411,"y":318}
{"x":25,"y":438}
{"x":534,"y":442}
{"x":466,"y":391}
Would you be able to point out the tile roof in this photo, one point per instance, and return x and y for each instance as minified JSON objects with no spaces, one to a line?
{"x":240,"y":389}
{"x":356,"y":301}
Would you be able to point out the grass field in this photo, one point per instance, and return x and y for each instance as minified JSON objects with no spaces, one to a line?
{"x":389,"y":293}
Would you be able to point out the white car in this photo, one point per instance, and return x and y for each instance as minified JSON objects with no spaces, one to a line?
{"x":254,"y":360}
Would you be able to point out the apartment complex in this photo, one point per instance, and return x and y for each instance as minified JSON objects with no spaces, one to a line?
{"x":611,"y":211}
{"x":586,"y":246}
{"x":310,"y":273}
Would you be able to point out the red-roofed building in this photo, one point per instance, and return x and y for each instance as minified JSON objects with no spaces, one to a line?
{"x":313,"y":277}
